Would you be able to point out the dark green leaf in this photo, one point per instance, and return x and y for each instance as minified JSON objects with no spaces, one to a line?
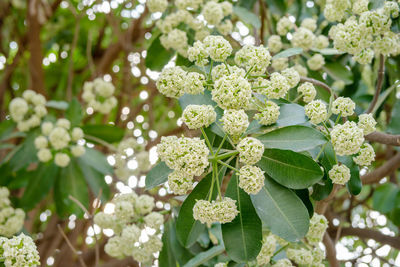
{"x":247,"y":16}
{"x":281,"y":211}
{"x":383,"y":199}
{"x":96,"y":160}
{"x":304,"y":195}
{"x":291,"y":114}
{"x":205,"y":256}
{"x":243,"y":236}
{"x":157,"y":56}
{"x":354,"y":185}
{"x":167,"y":257}
{"x":106,"y":132}
{"x":288,"y":52}
{"x":291,"y":169}
{"x":74,"y":112}
{"x":322,"y":189}
{"x":95,"y":180}
{"x":339,"y":72}
{"x":157,"y":175}
{"x":6,"y":129}
{"x":296,"y":138}
{"x":25,"y":154}
{"x":40,"y":182}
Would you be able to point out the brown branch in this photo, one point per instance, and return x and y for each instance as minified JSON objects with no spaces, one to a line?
{"x":384,"y":138}
{"x":262,"y":15}
{"x":330,"y":251}
{"x":381,"y":73}
{"x":323,"y":204}
{"x":318,"y":83}
{"x":78,"y":254}
{"x":384,"y":170}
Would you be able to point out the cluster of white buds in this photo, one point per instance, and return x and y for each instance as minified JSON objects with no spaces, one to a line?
{"x":98,"y":94}
{"x":27,"y":111}
{"x":58,"y":140}
{"x":343,"y":106}
{"x":269,"y":113}
{"x":132,"y":214}
{"x":316,"y":231}
{"x":347,"y":138}
{"x":215,"y":16}
{"x":307,"y":90}
{"x":235,"y":123}
{"x":198,"y":116}
{"x":221,"y":211}
{"x":267,"y":249}
{"x":339,"y":174}
{"x":365,"y":156}
{"x":19,"y":251}
{"x":129,"y":149}
{"x":11,"y":220}
{"x":316,"y":111}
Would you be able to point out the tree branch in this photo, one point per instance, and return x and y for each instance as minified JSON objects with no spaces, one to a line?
{"x":384,"y":170}
{"x":379,"y":83}
{"x":330,"y":251}
{"x":384,"y":138}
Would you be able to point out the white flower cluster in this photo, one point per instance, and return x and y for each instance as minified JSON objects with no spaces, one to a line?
{"x":251,"y":179}
{"x":174,"y":82}
{"x":316,"y":231}
{"x":267,"y":249}
{"x":283,"y":263}
{"x":215,"y":14}
{"x":347,"y":138}
{"x":235,"y":123}
{"x":269,"y":114}
{"x":276,"y":87}
{"x":222,"y":211}
{"x":197,"y":116}
{"x":19,"y":251}
{"x":300,"y":256}
{"x":255,"y":59}
{"x":275,"y":43}
{"x":98,"y":94}
{"x":129,"y":149}
{"x":365,"y":156}
{"x":187,"y":156}
{"x":28,"y":111}
{"x":367,"y":123}
{"x":367,"y":32}
{"x":250,"y":150}
{"x":11,"y":220}
{"x":307,"y":90}
{"x":316,"y":111}
{"x":339,"y":174}
{"x":343,"y":106}
{"x":180,"y":182}
{"x":60,"y":141}
{"x":132,"y":214}
{"x":316,"y":62}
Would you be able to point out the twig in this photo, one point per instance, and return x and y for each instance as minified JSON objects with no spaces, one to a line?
{"x":330,"y":251}
{"x":320,"y":84}
{"x":381,"y":72}
{"x":384,"y":138}
{"x":384,"y":170}
{"x":71,"y":246}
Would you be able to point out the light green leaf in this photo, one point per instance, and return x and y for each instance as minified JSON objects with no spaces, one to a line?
{"x":296,"y":138}
{"x":291,"y":114}
{"x":95,"y":180}
{"x":291,"y":169}
{"x":282,"y":211}
{"x":157,"y":56}
{"x":74,"y":112}
{"x":96,"y":160}
{"x":247,"y":16}
{"x":383,"y":199}
{"x":157,"y":175}
{"x":339,"y":72}
{"x":62,"y":105}
{"x":288,"y":52}
{"x":106,"y":132}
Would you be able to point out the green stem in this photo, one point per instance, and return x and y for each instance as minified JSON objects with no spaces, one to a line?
{"x":338,"y":118}
{"x":320,"y":152}
{"x":211,"y":66}
{"x":326,"y":127}
{"x":227,"y":165}
{"x":248,"y":72}
{"x":220,"y":146}
{"x":297,"y":98}
{"x":227,"y":67}
{"x":215,"y":170}
{"x":207,"y":141}
{"x":102,"y":142}
{"x":279,"y":250}
{"x":211,"y":188}
{"x":226,"y":155}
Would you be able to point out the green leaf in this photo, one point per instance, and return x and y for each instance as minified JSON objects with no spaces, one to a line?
{"x":97,"y":161}
{"x":354,"y":185}
{"x":95,"y":180}
{"x":339,"y":72}
{"x":70,"y":182}
{"x":157,"y":175}
{"x":327,"y":51}
{"x":304,"y":195}
{"x":157,"y":56}
{"x":243,"y":236}
{"x":40,"y":182}
{"x":383,"y":199}
{"x":322,"y":189}
{"x":205,"y":256}
{"x":291,"y":114}
{"x":291,"y":169}
{"x":167,"y":257}
{"x":296,"y":138}
{"x":247,"y":16}
{"x":394,"y":125}
{"x":282,"y":211}
{"x":6,"y":129}
{"x":62,"y":105}
{"x":106,"y":132}
{"x":288,"y":52}
{"x":25,"y":154}
{"x":254,"y":127}
{"x":74,"y":112}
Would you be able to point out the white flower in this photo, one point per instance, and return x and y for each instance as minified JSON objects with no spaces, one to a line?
{"x":131,"y":234}
{"x":197,"y":116}
{"x":284,"y":25}
{"x":225,"y":27}
{"x":141,"y":255}
{"x":171,"y":82}
{"x":61,"y":159}
{"x":103,"y":88}
{"x":316,"y":62}
{"x":391,"y":9}
{"x":309,"y":23}
{"x":59,"y":138}
{"x":339,"y":174}
{"x":194,"y":83}
{"x":104,"y":220}
{"x":153,"y":245}
{"x":175,"y":39}
{"x":360,"y":6}
{"x":212,"y":13}
{"x":250,"y":150}
{"x":365,"y":156}
{"x":18,"y":108}
{"x":275,"y":43}
{"x":64,"y":123}
{"x":232,"y":92}
{"x":154,"y":220}
{"x":280,"y":63}
{"x":76,"y":134}
{"x":157,"y":5}
{"x":316,"y":111}
{"x":41,"y":142}
{"x":364,"y":56}
{"x":301,"y":69}
{"x":343,"y":106}
{"x":347,"y":138}
{"x":184,"y":4}
{"x":189,"y":155}
{"x":203,"y":211}
{"x":47,"y":127}
{"x":44,"y":155}
{"x":198,"y":54}
{"x":222,"y":70}
{"x":28,"y":95}
{"x":251,"y":179}
{"x":255,"y":59}
{"x":269,"y":114}
{"x":235,"y":122}
{"x":300,"y":256}
{"x":335,"y":9}
{"x":113,"y":247}
{"x":321,"y":42}
{"x":387,"y":44}
{"x":38,"y":100}
{"x":180,"y":182}
{"x":267,"y":249}
{"x":308,"y":91}
{"x":144,"y":204}
{"x":292,"y":76}
{"x":303,"y":38}
{"x":367,"y":123}
{"x":316,"y":231}
{"x":19,"y":251}
{"x":217,"y":47}
{"x":225,"y":210}
{"x":227,"y":8}
{"x":40,"y":111}
{"x":77,"y":150}
{"x":221,"y":264}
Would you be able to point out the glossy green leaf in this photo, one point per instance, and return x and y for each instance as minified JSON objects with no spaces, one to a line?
{"x":157,"y":56}
{"x":39,"y":184}
{"x":282,"y":211}
{"x":74,"y":112}
{"x":97,"y":161}
{"x":70,"y":182}
{"x":205,"y":256}
{"x":95,"y":180}
{"x":383,"y":199}
{"x":247,"y":16}
{"x":296,"y":138}
{"x":354,"y":185}
{"x":243,"y":236}
{"x":291,"y":114}
{"x":291,"y":169}
{"x":339,"y":72}
{"x":25,"y":154}
{"x":304,"y":195}
{"x":288,"y":52}
{"x":157,"y":175}
{"x":106,"y":132}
